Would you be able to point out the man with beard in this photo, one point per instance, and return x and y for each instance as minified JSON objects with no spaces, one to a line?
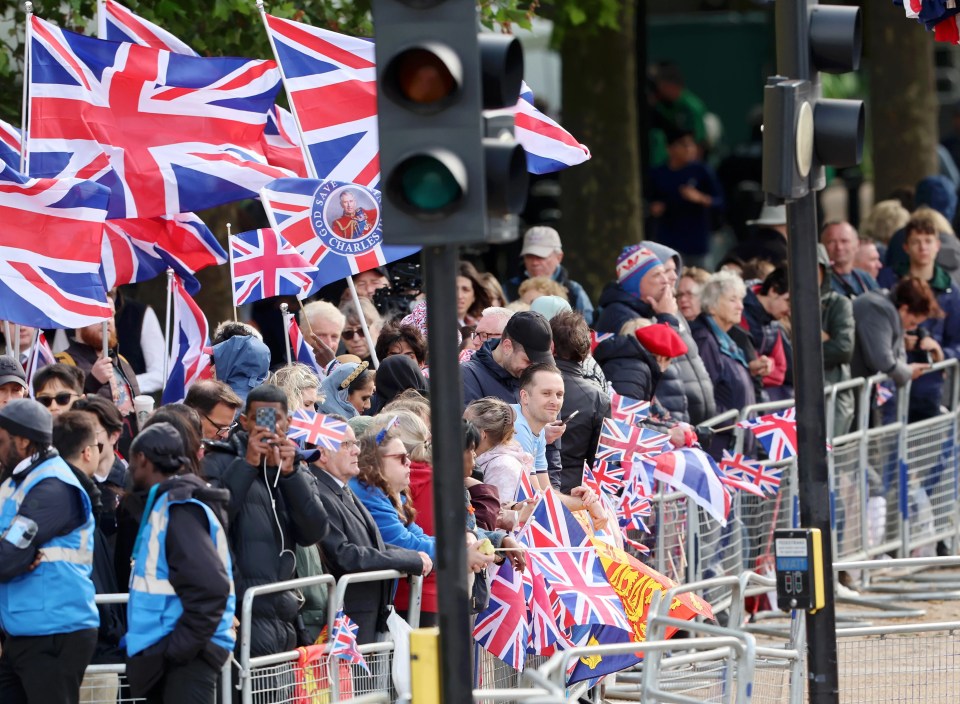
{"x":48,"y":619}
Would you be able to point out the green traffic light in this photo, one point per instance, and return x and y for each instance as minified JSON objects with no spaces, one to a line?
{"x":428,"y":185}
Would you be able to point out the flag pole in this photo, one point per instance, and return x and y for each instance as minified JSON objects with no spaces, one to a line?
{"x":8,"y":337}
{"x":32,"y":362}
{"x":284,"y":308}
{"x":28,"y":8}
{"x":306,"y":320}
{"x":16,"y":341}
{"x":166,"y":328}
{"x":101,"y":19}
{"x":312,"y":171}
{"x":233,"y":283}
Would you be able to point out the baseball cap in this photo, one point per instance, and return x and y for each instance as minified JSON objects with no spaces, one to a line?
{"x":25,"y":418}
{"x":11,"y":371}
{"x":541,"y":241}
{"x":531,"y":331}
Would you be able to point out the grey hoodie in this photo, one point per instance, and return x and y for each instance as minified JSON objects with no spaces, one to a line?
{"x":693,"y":375}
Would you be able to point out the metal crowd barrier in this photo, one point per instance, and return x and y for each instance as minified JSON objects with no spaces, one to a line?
{"x":276,"y":678}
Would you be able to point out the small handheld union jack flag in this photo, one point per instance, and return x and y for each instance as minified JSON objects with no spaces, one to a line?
{"x":317,"y":429}
{"x":884,"y":394}
{"x":343,"y":643}
{"x":777,"y":432}
{"x":628,"y":410}
{"x":604,"y":478}
{"x":597,"y":337}
{"x":749,"y":475}
{"x":621,"y":441}
{"x":263,"y":264}
{"x":632,"y":509}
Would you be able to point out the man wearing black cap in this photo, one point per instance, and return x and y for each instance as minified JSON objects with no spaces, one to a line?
{"x":13,"y":382}
{"x":496,"y":367}
{"x":48,"y":619}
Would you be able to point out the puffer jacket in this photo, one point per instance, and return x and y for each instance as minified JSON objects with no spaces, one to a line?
{"x":482,"y":376}
{"x":629,"y":367}
{"x":262,"y":553}
{"x":583,"y":431}
{"x":502,"y":466}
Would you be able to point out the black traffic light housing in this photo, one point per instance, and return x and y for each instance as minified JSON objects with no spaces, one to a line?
{"x":803,"y":132}
{"x":441,"y":175}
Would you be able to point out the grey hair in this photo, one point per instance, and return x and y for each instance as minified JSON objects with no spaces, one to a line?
{"x":717,"y":285}
{"x":322,"y":309}
{"x":500,"y":315}
{"x":294,"y":379}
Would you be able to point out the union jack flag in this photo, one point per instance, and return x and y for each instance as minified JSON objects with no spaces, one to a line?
{"x":139,"y":249}
{"x":597,"y":337}
{"x":289,"y":202}
{"x":280,"y":143}
{"x":638,"y":473}
{"x":9,"y":145}
{"x":550,"y":622}
{"x":525,"y":490}
{"x":264,"y":264}
{"x":50,"y":251}
{"x":777,"y":432}
{"x":168,"y":133}
{"x":627,"y":409}
{"x":302,"y":352}
{"x":752,"y":476}
{"x":343,"y":642}
{"x":317,"y":429}
{"x":693,"y":473}
{"x":576,"y":576}
{"x":634,"y":506}
{"x":549,"y":147}
{"x":621,"y":441}
{"x":884,"y":394}
{"x":604,"y":478}
{"x":503,"y":627}
{"x":190,"y":360}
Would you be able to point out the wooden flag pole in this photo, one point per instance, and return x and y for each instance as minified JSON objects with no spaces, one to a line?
{"x":306,"y":319}
{"x":233,"y":283}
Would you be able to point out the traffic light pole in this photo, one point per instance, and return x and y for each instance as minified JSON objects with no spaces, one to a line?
{"x":449,"y":510}
{"x":823,"y":683}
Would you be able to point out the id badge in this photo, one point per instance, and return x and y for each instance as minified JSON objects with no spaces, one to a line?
{"x":21,"y":532}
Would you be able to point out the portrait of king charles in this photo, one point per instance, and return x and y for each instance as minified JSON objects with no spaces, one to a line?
{"x":358,"y":217}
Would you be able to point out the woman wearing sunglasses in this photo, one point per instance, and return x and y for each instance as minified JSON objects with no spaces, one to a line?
{"x":57,"y":386}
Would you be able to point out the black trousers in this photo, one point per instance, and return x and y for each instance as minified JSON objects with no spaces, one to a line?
{"x":193,"y":683}
{"x":45,"y":669}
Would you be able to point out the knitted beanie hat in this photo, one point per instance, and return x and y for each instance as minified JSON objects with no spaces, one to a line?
{"x":635,"y":262}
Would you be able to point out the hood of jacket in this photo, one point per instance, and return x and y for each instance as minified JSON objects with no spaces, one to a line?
{"x":242,"y":362}
{"x":754,"y":308}
{"x":620,"y":346}
{"x":396,"y":374}
{"x":664,"y":253}
{"x":614,"y":293}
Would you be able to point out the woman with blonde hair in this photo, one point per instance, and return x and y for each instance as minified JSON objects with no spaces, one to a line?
{"x":300,"y":383}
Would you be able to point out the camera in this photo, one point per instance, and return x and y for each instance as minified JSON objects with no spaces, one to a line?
{"x":922,"y":334}
{"x":406,"y":284}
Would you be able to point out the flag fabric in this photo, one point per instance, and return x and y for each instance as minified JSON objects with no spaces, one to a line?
{"x":166,"y":132}
{"x":503,"y":627}
{"x":884,"y":394}
{"x":777,"y":432}
{"x":634,"y":506}
{"x":40,"y":356}
{"x":190,"y":358}
{"x":604,"y":478}
{"x":575,"y":576}
{"x":343,"y":641}
{"x":331,"y":81}
{"x":693,"y":473}
{"x":10,"y":145}
{"x":549,"y":147}
{"x":280,"y":142}
{"x":302,"y":352}
{"x":50,"y":251}
{"x":764,"y":478}
{"x":317,"y":429}
{"x":139,"y":249}
{"x":621,"y":441}
{"x":264,"y":265}
{"x":597,"y":337}
{"x":525,"y":490}
{"x":550,"y":622}
{"x":638,"y":473}
{"x":628,"y":410}
{"x":293,"y":203}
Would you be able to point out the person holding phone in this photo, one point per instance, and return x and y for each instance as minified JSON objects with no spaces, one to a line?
{"x":274,"y":506}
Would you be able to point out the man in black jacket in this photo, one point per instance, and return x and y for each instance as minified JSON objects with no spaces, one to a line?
{"x":571,"y":341}
{"x":273,"y":506}
{"x":354,"y":543}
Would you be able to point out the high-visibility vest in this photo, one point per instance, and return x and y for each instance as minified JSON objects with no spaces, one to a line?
{"x":57,"y":596}
{"x":154,"y":607}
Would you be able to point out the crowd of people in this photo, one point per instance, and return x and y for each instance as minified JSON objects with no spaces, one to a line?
{"x":189,"y":506}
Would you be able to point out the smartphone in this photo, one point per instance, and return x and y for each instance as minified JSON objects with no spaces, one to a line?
{"x":267,"y":418}
{"x":569,"y":417}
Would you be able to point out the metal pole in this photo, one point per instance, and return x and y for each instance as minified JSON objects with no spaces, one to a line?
{"x":167,"y":327}
{"x":105,"y":332}
{"x":363,"y":323}
{"x":24,"y":121}
{"x":446,"y":410}
{"x":814,"y":486}
{"x":8,"y":336}
{"x":284,"y":308}
{"x":233,"y":283}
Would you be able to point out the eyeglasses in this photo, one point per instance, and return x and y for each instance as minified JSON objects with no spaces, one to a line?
{"x":221,"y":429}
{"x":61,"y":399}
{"x":98,"y":445}
{"x":349,"y":443}
{"x":484,"y":336}
{"x":402,"y":456}
{"x":350,"y":333}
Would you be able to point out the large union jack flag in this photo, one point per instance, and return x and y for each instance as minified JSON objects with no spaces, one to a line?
{"x":693,"y":473}
{"x":751,"y":476}
{"x":190,"y":360}
{"x":777,"y":432}
{"x":502,"y":628}
{"x":343,"y":641}
{"x":289,"y":204}
{"x":9,"y":145}
{"x":621,"y":441}
{"x":50,"y":251}
{"x":575,"y":575}
{"x":167,"y":133}
{"x":264,"y":265}
{"x":317,"y":429}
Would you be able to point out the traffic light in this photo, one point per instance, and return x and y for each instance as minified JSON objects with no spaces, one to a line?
{"x":441,"y":175}
{"x":802,"y":131}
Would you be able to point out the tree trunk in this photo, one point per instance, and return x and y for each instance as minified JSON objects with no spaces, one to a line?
{"x":903,"y":102}
{"x":602,"y":209}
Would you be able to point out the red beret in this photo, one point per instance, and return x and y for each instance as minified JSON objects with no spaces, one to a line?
{"x":661,"y":339}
